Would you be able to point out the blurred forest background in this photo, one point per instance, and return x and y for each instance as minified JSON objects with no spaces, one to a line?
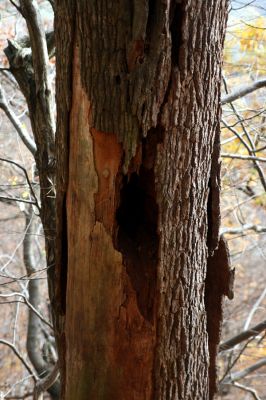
{"x":26,"y":337}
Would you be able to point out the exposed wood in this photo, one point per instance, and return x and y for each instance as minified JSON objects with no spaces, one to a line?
{"x":99,"y":294}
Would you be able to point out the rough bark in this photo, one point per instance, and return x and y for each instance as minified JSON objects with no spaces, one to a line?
{"x":138,"y":187}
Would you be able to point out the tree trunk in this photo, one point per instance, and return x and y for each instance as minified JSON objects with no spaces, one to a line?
{"x":138,"y":104}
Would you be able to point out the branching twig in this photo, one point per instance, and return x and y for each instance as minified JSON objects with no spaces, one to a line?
{"x":23,"y":134}
{"x":44,"y":384}
{"x":17,"y":199}
{"x":19,"y":397}
{"x":27,"y":179}
{"x":251,"y":149}
{"x":254,"y":331}
{"x":243,"y":91}
{"x":244,"y":372}
{"x":247,"y":389}
{"x":243,"y":229}
{"x":22,"y":359}
{"x":15,"y":5}
{"x":26,"y":301}
{"x":243,"y":157}
{"x":239,"y":136}
{"x":255,"y":307}
{"x":231,"y":363}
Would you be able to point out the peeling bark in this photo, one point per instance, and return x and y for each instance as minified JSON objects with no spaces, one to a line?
{"x":138,"y":153}
{"x":219,"y":283}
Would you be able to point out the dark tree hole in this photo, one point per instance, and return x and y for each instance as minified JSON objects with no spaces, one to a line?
{"x":118,"y":79}
{"x":151,"y":24}
{"x":137,"y":237}
{"x":176,"y":16}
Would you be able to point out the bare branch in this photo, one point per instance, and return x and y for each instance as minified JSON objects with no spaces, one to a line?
{"x":243,"y":229}
{"x":243,"y":157}
{"x":238,"y":136}
{"x":254,"y":331}
{"x":40,"y":60}
{"x":232,"y":363}
{"x":22,"y":359}
{"x":252,"y":26}
{"x":23,"y":134}
{"x":17,"y":199}
{"x":15,"y":5}
{"x":28,"y":182}
{"x":255,"y":307}
{"x":247,"y":389}
{"x":250,"y":147}
{"x":244,"y":6}
{"x":243,"y":91}
{"x":26,"y":301}
{"x":45,"y":383}
{"x":244,"y":372}
{"x":19,"y":397}
{"x":245,"y":119}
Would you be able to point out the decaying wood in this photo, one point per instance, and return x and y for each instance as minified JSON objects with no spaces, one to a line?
{"x":138,"y":133}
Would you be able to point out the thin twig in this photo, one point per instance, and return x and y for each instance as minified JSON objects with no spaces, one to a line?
{"x":255,"y":307}
{"x":251,"y":149}
{"x":244,"y":372}
{"x":239,"y":136}
{"x":243,"y":91}
{"x":247,"y":389}
{"x":244,"y":228}
{"x":27,"y":179}
{"x":22,"y":132}
{"x":19,"y":397}
{"x":26,"y":301}
{"x":231,"y":363}
{"x":243,"y":157}
{"x":21,"y":358}
{"x":15,"y":5}
{"x":44,"y":384}
{"x":17,"y":199}
{"x":254,"y":331}
{"x":246,"y":119}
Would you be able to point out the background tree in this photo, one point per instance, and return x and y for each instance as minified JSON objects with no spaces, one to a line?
{"x":29,"y":65}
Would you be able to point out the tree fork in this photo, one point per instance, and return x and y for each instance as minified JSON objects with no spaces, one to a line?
{"x":136,"y":144}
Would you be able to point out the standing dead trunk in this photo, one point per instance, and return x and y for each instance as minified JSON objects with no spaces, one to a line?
{"x":138,"y":93}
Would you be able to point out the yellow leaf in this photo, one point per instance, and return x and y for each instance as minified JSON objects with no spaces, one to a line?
{"x":25,"y":195}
